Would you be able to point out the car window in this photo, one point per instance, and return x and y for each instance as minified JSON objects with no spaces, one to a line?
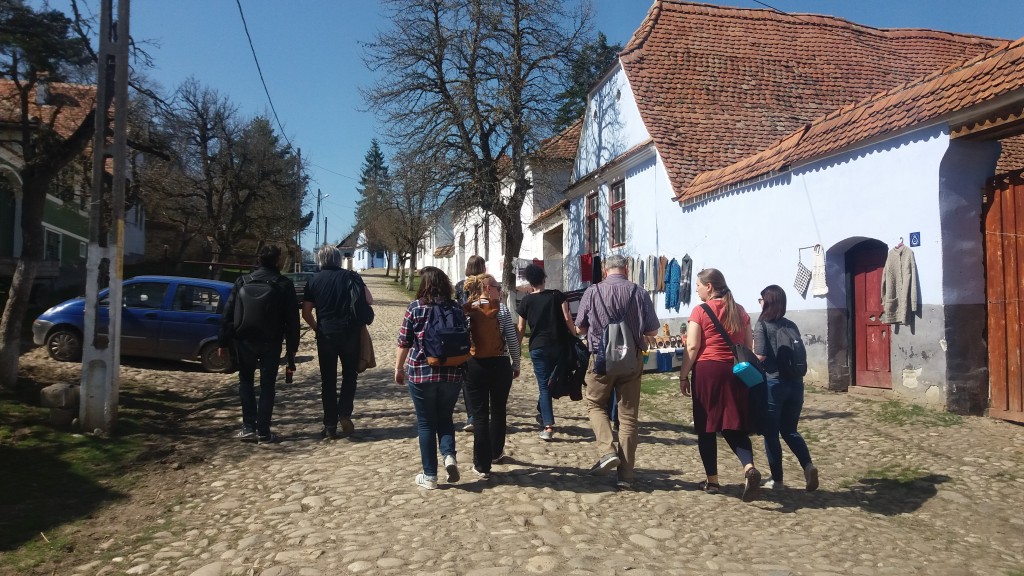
{"x":196,"y":299}
{"x":144,"y":294}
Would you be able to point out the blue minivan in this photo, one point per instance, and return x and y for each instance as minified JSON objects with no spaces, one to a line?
{"x":162,"y":317}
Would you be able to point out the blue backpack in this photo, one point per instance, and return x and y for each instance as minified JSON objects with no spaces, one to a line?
{"x":446,"y":336}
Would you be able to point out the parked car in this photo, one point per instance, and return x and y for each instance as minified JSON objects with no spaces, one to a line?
{"x":300,"y":279}
{"x":161,"y":317}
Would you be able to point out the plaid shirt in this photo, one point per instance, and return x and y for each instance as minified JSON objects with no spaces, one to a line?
{"x":410,"y":335}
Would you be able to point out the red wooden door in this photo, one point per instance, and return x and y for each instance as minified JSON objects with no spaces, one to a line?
{"x":871,"y":336}
{"x":1004,"y":278}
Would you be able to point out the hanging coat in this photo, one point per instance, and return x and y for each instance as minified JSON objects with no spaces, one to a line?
{"x":672,"y":285}
{"x":900,"y":288}
{"x":685,"y":271}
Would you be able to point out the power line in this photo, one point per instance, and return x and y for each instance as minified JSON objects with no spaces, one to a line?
{"x":333,"y":172}
{"x":260,"y":70}
{"x":768,"y":6}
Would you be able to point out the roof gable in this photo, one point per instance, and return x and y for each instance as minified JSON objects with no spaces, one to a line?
{"x":715,"y":84}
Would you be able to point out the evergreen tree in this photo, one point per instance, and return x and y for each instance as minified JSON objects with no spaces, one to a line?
{"x":588,"y":65}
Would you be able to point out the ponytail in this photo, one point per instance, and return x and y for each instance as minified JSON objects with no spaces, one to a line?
{"x":731,"y":315}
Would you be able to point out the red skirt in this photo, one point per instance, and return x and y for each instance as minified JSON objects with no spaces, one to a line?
{"x":720,"y":400}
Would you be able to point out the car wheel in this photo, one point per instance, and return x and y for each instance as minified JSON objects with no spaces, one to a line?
{"x":65,"y":345}
{"x":213,"y":361}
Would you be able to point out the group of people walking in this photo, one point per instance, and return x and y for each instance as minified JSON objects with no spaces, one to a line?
{"x":722,"y":404}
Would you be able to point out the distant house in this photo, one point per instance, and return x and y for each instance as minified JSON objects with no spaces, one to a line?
{"x":702,"y":87}
{"x":65,"y":214}
{"x":356,"y":253}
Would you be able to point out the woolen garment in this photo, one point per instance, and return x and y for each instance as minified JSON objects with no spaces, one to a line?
{"x":672,"y":285}
{"x":597,"y":273}
{"x":720,"y":400}
{"x":652,"y":274}
{"x":630,"y":270}
{"x":641,"y":277}
{"x":662,"y":265}
{"x":543,"y":313}
{"x":586,"y":267}
{"x":900,"y":288}
{"x":616,"y":293}
{"x":685,"y":288}
{"x":818,"y":285}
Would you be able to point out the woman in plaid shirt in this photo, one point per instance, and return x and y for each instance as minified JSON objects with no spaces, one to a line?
{"x":434,"y":391}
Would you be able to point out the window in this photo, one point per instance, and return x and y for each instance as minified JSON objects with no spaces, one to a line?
{"x":83,"y":250}
{"x":51,"y":246}
{"x":196,"y":299}
{"x":144,"y":295}
{"x":592,"y":238}
{"x":617,"y":213}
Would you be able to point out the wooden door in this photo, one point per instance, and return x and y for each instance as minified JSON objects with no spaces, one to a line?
{"x":1004,"y":275}
{"x":871,"y":335}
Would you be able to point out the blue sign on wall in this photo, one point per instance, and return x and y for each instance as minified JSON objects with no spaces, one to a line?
{"x":915,"y":239}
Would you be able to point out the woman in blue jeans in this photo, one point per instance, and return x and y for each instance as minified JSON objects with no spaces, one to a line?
{"x":785,"y":394}
{"x":547,"y":313}
{"x":434,"y":390}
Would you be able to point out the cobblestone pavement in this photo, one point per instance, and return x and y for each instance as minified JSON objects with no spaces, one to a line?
{"x":917,"y":498}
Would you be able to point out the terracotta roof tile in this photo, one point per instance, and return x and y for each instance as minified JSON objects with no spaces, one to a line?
{"x":716,"y":84}
{"x":446,"y":251}
{"x":929,"y":98}
{"x":70,"y":104}
{"x":545,"y":214}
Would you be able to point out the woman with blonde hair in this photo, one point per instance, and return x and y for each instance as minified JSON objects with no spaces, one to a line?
{"x":721,"y":401}
{"x":492,"y":365}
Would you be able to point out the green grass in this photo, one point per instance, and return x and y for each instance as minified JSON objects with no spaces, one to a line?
{"x":904,"y":414}
{"x":660,"y":399}
{"x":54,"y":478}
{"x":659,"y":384}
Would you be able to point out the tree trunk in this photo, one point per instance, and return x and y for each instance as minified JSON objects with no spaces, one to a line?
{"x":34,"y":199}
{"x":412,"y":276}
{"x":387,"y":255}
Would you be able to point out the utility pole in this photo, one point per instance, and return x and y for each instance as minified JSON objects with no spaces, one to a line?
{"x":101,"y":348}
{"x":319,"y":198}
{"x":325,"y":229}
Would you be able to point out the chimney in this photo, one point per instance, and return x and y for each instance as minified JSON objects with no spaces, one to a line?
{"x":43,"y":88}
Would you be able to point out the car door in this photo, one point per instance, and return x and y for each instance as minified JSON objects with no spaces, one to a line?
{"x":192,"y":318}
{"x":141,"y":315}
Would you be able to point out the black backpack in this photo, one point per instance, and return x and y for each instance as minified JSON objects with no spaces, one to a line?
{"x":258,"y":305}
{"x":361,"y":310}
{"x":446,"y":336}
{"x":790,"y":353}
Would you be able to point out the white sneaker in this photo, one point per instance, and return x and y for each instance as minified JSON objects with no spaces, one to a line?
{"x":481,"y":475}
{"x":428,"y":482}
{"x":547,"y":434}
{"x":452,"y":467}
{"x":770,"y":484}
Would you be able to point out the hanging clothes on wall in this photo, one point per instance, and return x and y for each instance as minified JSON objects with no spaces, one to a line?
{"x":640,"y":276}
{"x":586,"y":266}
{"x":900,"y":287}
{"x":818,"y":285}
{"x":662,"y":265}
{"x":597,"y":273}
{"x":672,"y":285}
{"x":652,"y":274}
{"x":686,"y":270}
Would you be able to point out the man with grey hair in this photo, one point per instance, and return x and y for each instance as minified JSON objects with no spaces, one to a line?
{"x":615,"y":299}
{"x":338,"y":296}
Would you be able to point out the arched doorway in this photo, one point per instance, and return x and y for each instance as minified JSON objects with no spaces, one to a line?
{"x":870,"y":336}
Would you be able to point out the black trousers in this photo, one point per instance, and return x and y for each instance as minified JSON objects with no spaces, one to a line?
{"x":488,"y":383}
{"x":330,"y":348}
{"x":266,"y":357}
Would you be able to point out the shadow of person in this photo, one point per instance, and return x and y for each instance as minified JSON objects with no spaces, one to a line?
{"x":885,"y":496}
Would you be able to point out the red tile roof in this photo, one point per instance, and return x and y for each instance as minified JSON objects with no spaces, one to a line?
{"x":562,"y":146}
{"x":69,"y":105}
{"x":543,"y":215}
{"x":958,"y":87}
{"x":446,"y":251}
{"x":716,"y":84}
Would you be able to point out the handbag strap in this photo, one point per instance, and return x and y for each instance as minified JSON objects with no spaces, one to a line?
{"x":721,"y":329}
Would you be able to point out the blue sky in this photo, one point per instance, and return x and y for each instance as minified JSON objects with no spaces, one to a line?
{"x":310,"y":53}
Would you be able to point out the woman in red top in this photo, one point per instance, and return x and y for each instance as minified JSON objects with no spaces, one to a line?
{"x":720,"y":400}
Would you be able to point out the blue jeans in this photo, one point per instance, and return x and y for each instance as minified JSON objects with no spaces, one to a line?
{"x":338,"y":404}
{"x":544,"y":361}
{"x":266,"y":357}
{"x":785,"y":400}
{"x":434,"y":403}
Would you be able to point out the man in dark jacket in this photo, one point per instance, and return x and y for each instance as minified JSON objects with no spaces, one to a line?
{"x":337,"y":331}
{"x":262,"y":350}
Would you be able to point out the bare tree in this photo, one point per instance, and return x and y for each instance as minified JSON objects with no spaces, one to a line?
{"x":476,"y":81}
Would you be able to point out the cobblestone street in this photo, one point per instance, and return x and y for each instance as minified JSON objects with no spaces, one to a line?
{"x":935,"y":495}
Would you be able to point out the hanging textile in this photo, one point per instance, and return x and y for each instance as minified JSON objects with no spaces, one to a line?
{"x":662,"y":265}
{"x":630,"y":270}
{"x":597,"y":273}
{"x":900,"y":287}
{"x":652,"y":274}
{"x":672,"y":285}
{"x":818,"y":285}
{"x":641,"y":276}
{"x":586,"y":267}
{"x":686,"y":270}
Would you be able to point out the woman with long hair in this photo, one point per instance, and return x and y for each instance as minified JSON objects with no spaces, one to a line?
{"x":474,"y":265}
{"x":720,"y":400}
{"x":785,"y":393}
{"x":547,"y":314}
{"x":493,"y":364}
{"x":434,"y":390}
